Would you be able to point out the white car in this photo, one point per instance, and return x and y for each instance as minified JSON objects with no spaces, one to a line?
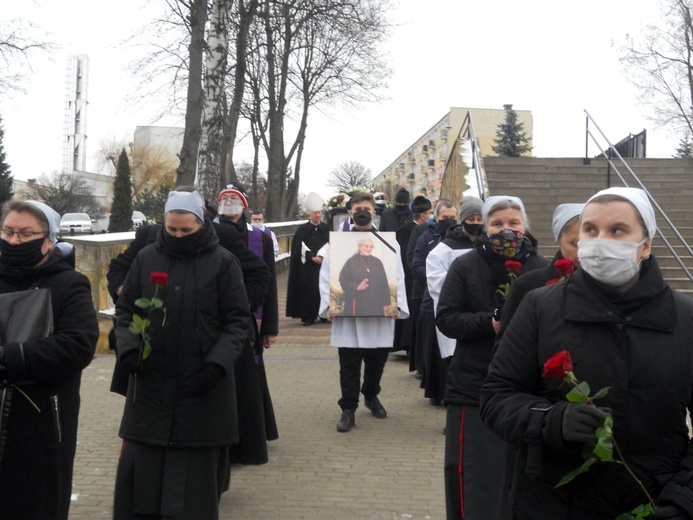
{"x":76,"y":223}
{"x":138,"y":219}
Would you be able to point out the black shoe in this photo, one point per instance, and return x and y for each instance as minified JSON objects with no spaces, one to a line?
{"x":377,"y":409}
{"x":324,"y":320}
{"x":418,"y":375}
{"x":347,"y":421}
{"x":307,"y":323}
{"x":435,"y":402}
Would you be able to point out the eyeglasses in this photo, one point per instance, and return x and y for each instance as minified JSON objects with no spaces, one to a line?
{"x":23,"y":235}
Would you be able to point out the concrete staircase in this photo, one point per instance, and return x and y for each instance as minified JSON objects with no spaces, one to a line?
{"x":543,"y":183}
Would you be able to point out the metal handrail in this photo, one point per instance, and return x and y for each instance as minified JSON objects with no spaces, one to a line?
{"x":477,"y":163}
{"x":666,"y":218}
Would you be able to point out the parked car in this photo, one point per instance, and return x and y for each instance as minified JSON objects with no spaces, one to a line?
{"x":138,"y":219}
{"x":76,"y":223}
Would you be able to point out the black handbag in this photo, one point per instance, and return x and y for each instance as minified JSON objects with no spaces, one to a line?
{"x":24,"y":315}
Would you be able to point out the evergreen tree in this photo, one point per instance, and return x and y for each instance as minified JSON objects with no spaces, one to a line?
{"x":121,"y":208}
{"x":685,"y":148}
{"x":511,"y":139}
{"x":5,"y":173}
{"x":152,"y":203}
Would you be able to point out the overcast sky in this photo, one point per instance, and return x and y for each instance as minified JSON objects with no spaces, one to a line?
{"x":552,"y":58}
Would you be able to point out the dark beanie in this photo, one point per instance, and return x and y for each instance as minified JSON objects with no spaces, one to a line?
{"x":421,"y":204}
{"x":402,"y":196}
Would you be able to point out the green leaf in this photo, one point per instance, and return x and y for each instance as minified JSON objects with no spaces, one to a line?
{"x":639,"y":513}
{"x":601,"y":393}
{"x":157,"y":303}
{"x":134,"y":328}
{"x":142,"y":303}
{"x":577,"y":471}
{"x":579,"y":394}
{"x":604,"y":449}
{"x":139,"y":321}
{"x":609,"y":422}
{"x":146,"y":350}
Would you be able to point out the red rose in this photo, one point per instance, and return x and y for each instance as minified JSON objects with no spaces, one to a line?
{"x":564,"y":266}
{"x":158,"y":278}
{"x":557,"y":365}
{"x":512,"y":266}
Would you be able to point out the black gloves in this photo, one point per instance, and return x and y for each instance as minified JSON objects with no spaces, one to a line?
{"x":128,"y":361}
{"x":580,"y":421}
{"x":209,"y":377}
{"x":668,"y":513}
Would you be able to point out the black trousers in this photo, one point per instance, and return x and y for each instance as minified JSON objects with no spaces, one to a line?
{"x":475,"y":460}
{"x":374,"y":360}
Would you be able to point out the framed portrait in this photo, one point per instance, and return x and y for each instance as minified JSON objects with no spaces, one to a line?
{"x":363,"y":274}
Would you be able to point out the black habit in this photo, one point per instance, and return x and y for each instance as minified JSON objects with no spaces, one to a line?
{"x":303,"y":293}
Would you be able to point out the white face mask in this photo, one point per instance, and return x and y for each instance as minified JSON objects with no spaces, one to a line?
{"x":230,"y":208}
{"x":612,"y":262}
{"x":256,"y":225}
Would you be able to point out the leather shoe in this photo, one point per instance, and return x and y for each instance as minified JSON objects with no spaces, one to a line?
{"x":307,"y":323}
{"x":347,"y":421}
{"x":377,"y":409}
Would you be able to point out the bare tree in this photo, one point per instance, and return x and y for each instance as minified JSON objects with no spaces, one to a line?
{"x":17,"y":43}
{"x":660,"y":65}
{"x":348,"y":174}
{"x":246,"y":11}
{"x":210,"y":162}
{"x":309,"y":52}
{"x":151,"y":167}
{"x":65,"y":193}
{"x":193,"y":112}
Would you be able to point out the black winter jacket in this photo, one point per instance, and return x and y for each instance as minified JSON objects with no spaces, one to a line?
{"x":270,"y":303}
{"x":639,"y":343}
{"x":256,"y":275}
{"x":36,"y":466}
{"x":465,"y":308}
{"x":172,"y":398}
{"x":424,"y":245}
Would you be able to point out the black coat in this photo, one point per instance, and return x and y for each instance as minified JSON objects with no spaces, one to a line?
{"x":36,"y":467}
{"x":270,"y":303}
{"x":639,"y":343}
{"x":391,"y":219}
{"x":369,"y":301}
{"x":171,"y":399}
{"x":417,"y":285}
{"x":256,"y":275}
{"x":303,"y":293}
{"x":424,"y":245}
{"x":465,"y":308}
{"x":522,"y":286}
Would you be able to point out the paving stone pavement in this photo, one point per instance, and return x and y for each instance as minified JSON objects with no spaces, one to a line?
{"x":383,"y":469}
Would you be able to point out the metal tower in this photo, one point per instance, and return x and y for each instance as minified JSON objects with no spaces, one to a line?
{"x":75,"y":121}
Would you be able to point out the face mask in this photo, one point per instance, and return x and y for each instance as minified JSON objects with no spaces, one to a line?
{"x":507,"y":243}
{"x":362,"y":218}
{"x":182,"y":245}
{"x":444,"y":225}
{"x":612,"y":262}
{"x":472,"y":229}
{"x":26,"y":254}
{"x":402,"y":209}
{"x":231,"y":208}
{"x":256,"y":225}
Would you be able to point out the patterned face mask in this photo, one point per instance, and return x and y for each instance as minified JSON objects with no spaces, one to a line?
{"x":507,"y":243}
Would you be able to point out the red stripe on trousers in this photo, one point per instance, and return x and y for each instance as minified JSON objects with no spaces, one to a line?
{"x":460,"y":471}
